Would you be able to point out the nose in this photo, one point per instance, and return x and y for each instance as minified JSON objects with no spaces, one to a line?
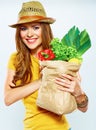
{"x":30,"y":33}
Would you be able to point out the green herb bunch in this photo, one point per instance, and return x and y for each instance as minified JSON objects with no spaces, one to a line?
{"x":63,"y":52}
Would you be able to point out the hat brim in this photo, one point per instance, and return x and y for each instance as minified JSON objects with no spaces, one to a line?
{"x":33,"y":19}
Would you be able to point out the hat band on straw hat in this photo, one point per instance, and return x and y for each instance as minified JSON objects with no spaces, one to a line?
{"x":28,"y":19}
{"x":33,"y":17}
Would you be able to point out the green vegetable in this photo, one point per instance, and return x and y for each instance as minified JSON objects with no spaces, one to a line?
{"x":63,"y":52}
{"x":80,"y":40}
{"x":73,"y":45}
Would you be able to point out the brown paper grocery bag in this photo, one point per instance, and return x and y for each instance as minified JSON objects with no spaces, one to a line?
{"x":51,"y":98}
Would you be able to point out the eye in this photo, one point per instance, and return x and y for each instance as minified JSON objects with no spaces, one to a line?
{"x":23,"y":28}
{"x":36,"y":27}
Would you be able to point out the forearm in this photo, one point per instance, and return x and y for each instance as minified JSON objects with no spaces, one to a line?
{"x":14,"y":94}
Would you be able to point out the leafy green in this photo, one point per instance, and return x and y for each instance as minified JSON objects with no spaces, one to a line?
{"x":63,"y":52}
{"x":70,"y":37}
{"x":80,"y":40}
{"x":73,"y":45}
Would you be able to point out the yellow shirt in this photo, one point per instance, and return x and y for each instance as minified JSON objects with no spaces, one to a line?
{"x":37,"y":118}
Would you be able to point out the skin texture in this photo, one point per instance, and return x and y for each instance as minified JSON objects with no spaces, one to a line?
{"x":31,"y":36}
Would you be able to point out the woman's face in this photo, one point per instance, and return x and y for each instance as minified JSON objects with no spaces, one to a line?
{"x":31,"y":36}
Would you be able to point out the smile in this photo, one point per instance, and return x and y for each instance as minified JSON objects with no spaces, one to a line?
{"x":31,"y":40}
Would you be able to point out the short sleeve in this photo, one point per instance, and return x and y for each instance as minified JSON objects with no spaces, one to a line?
{"x":11,"y":61}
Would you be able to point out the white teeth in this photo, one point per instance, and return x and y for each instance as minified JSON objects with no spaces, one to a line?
{"x":31,"y":40}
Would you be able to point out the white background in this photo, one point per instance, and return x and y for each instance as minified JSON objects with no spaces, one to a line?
{"x":81,"y":13}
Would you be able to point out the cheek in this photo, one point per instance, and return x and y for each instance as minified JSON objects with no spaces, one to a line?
{"x":22,"y":34}
{"x":40,"y":33}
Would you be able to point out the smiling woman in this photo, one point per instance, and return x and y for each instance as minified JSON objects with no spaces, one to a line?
{"x":31,"y":35}
{"x":34,"y":34}
{"x":23,"y":67}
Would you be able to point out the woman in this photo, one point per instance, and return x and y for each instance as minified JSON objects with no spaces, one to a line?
{"x":33,"y":34}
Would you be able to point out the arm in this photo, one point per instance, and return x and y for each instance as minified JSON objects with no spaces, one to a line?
{"x":82,"y":102}
{"x":12,"y":95}
{"x":72,"y":84}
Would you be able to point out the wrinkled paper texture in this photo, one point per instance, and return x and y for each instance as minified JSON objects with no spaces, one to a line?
{"x":49,"y":96}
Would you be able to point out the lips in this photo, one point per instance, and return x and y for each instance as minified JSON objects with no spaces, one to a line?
{"x":31,"y":41}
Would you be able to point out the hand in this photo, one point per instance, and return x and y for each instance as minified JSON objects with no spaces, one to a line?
{"x":69,"y":84}
{"x":40,"y":71}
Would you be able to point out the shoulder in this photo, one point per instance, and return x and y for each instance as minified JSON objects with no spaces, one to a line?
{"x":13,"y":55}
{"x":12,"y":60}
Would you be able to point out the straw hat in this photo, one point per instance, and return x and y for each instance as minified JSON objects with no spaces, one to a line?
{"x":32,"y":11}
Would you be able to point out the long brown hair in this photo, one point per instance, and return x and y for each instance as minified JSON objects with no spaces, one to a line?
{"x":23,"y":61}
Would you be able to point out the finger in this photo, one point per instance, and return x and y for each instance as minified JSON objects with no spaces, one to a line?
{"x":78,"y":76}
{"x":68,"y":77}
{"x":63,"y":81}
{"x":64,"y":89}
{"x":12,"y":85}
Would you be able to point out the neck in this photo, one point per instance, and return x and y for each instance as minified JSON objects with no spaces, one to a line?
{"x":35,"y":51}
